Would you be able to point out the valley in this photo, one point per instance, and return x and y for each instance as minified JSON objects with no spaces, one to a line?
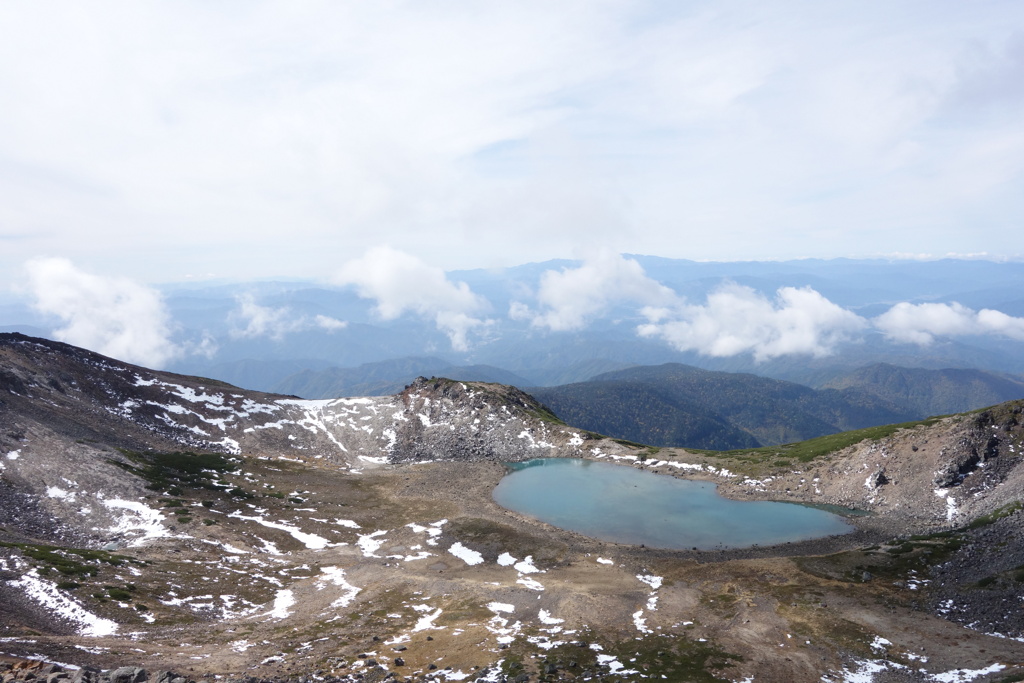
{"x":170,"y":522}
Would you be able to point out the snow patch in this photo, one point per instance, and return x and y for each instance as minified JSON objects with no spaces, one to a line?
{"x":370,"y":544}
{"x":311,"y":541}
{"x":470,"y":557}
{"x":498,"y":607}
{"x":282,"y":601}
{"x":49,"y":596}
{"x":142,"y":522}
{"x":336,"y":577}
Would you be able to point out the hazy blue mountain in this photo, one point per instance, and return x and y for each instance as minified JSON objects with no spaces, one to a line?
{"x":260,"y":375}
{"x":387,"y":377}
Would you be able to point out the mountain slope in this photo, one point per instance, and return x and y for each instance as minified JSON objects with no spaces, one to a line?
{"x":90,"y":396}
{"x":675,"y":405}
{"x":931,"y":392}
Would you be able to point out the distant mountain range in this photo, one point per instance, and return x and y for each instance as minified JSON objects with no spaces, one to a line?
{"x":931,"y":392}
{"x":680,"y":405}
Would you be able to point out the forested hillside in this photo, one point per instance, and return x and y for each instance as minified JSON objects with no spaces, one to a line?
{"x":680,"y":405}
{"x":932,"y":392}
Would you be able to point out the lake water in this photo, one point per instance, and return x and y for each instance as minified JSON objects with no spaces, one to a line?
{"x":627,"y":505}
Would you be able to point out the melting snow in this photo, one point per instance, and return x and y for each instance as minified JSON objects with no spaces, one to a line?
{"x":950,"y":503}
{"x":526,"y":566}
{"x":370,"y":544}
{"x":546,"y":618}
{"x":427,"y":621}
{"x":311,"y":541}
{"x":336,"y":576}
{"x":55,"y":492}
{"x":530,"y":583}
{"x":142,"y":521}
{"x":614,"y":665}
{"x":49,"y":596}
{"x":284,"y":599}
{"x":498,"y":607}
{"x":470,"y":557}
{"x":651,"y":580}
{"x":964,"y":675}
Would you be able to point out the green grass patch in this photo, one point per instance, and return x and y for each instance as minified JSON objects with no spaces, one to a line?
{"x":806,"y":451}
{"x":69,"y":561}
{"x":170,"y":472}
{"x":668,"y":657}
{"x":915,"y":554}
{"x":630,"y":444}
{"x":119,"y":594}
{"x":996,"y":515}
{"x":545,"y":414}
{"x":672,"y":658}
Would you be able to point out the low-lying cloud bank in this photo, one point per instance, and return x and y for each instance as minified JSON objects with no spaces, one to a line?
{"x":737,"y":320}
{"x":401,"y":283}
{"x":255,"y":320}
{"x":107,"y":314}
{"x":569,"y":298}
{"x":921,"y":323}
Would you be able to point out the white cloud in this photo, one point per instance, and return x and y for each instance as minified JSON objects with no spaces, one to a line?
{"x":261,"y":321}
{"x":110,"y":315}
{"x":737,"y":319}
{"x":257,"y":320}
{"x":921,"y":323}
{"x":401,"y":283}
{"x":328,"y":323}
{"x":570,"y":297}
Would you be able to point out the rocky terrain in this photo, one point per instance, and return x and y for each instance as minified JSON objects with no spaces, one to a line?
{"x":152,"y":522}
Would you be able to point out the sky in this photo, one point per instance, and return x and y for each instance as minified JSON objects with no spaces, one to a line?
{"x":168,"y":141}
{"x":376,"y":146}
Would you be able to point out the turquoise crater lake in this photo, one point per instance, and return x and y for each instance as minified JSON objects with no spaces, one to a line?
{"x":627,"y":505}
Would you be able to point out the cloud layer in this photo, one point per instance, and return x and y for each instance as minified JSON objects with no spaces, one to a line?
{"x":111,"y":315}
{"x":260,"y":139}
